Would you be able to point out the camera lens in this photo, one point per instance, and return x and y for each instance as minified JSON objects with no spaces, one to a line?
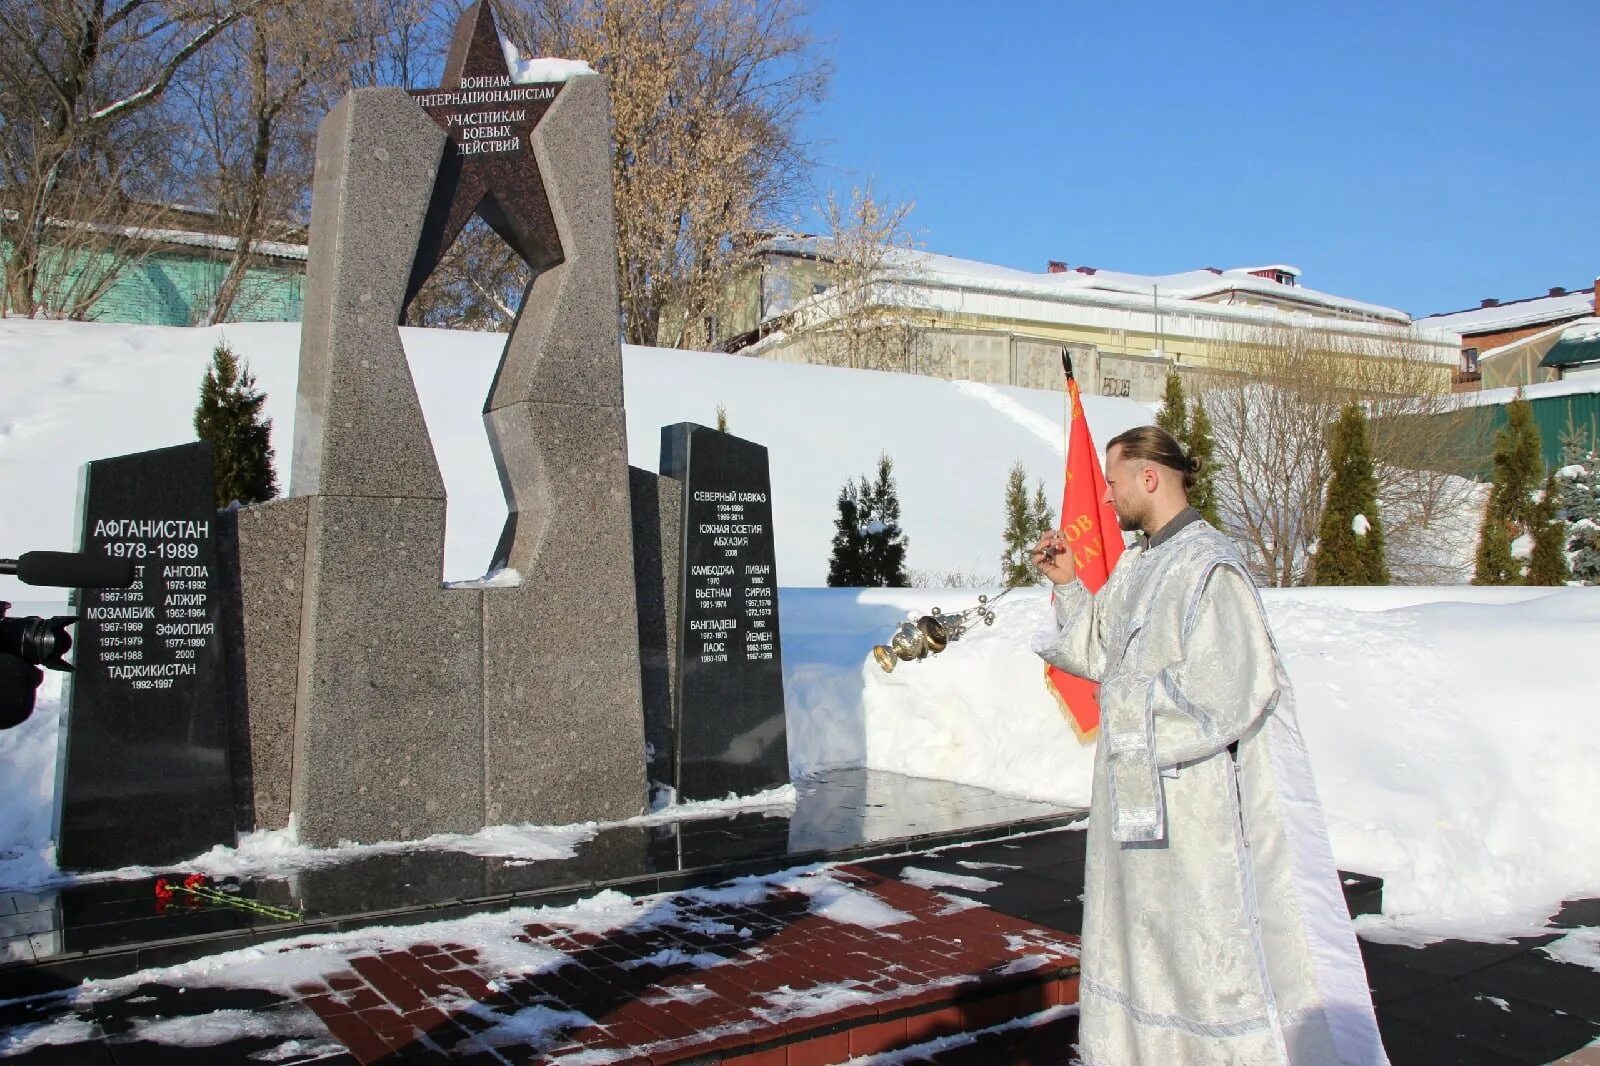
{"x":35,"y":640}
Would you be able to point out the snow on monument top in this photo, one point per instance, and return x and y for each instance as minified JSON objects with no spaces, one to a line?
{"x":541,"y":68}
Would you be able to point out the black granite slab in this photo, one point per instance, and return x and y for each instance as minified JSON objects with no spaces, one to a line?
{"x":730,"y":734}
{"x":147,"y":777}
{"x":103,"y":928}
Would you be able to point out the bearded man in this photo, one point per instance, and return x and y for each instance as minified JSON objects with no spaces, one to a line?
{"x":1214,"y":926}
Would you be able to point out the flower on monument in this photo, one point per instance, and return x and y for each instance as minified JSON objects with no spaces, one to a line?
{"x":194,"y":881}
{"x":163,"y":890}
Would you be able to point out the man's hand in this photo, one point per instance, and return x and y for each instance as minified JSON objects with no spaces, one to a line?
{"x":1054,"y":558}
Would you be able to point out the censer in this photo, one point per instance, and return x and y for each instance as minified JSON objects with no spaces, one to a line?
{"x":932,"y":633}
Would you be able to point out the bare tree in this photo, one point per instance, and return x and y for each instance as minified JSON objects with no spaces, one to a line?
{"x":256,"y":97}
{"x":864,"y":316}
{"x":1272,"y":392}
{"x":706,"y":101}
{"x":479,"y":284}
{"x":82,"y":144}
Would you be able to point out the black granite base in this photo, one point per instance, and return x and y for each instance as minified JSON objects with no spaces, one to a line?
{"x":52,"y":939}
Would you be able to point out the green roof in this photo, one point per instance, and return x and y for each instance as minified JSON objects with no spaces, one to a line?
{"x":1581,"y":345}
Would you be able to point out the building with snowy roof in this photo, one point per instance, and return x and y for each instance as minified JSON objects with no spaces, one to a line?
{"x":169,"y":273}
{"x":957,"y":318}
{"x":1494,"y":332}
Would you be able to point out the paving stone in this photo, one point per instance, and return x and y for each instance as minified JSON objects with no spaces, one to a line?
{"x":1525,"y":1032}
{"x":1410,"y":1044}
{"x":1534,"y":977}
{"x":1451,"y":958}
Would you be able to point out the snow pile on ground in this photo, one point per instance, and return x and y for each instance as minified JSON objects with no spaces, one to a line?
{"x":1581,"y":947}
{"x":1451,"y":730}
{"x":79,"y":391}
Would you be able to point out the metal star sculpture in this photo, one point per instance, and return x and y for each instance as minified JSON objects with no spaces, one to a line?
{"x":488,"y":169}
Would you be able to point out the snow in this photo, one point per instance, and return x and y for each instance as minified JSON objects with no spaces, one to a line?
{"x":1581,"y":947}
{"x":1441,"y":770}
{"x":1572,"y":386}
{"x":505,"y":577}
{"x":528,"y":1026}
{"x":1360,"y":526}
{"x":1582,"y":331}
{"x":1450,"y":728}
{"x":225,"y":1026}
{"x":190,"y":238}
{"x":541,"y":68}
{"x":1191,"y":285}
{"x":839,"y":902}
{"x":932,"y":879}
{"x":70,"y":386}
{"x":504,"y":954}
{"x":1514,"y":314}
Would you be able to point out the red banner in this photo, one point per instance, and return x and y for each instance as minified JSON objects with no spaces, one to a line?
{"x":1090,"y":526}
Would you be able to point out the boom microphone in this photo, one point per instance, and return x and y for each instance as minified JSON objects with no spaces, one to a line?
{"x":69,"y":570}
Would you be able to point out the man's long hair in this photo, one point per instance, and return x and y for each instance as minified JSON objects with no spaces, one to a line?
{"x":1152,"y":444}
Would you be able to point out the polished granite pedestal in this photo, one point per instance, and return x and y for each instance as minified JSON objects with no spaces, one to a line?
{"x":56,"y":937}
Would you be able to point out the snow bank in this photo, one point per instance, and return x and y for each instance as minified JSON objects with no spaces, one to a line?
{"x":79,"y":391}
{"x":1451,"y":730}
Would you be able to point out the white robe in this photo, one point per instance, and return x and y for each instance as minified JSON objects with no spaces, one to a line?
{"x":1215,"y":928}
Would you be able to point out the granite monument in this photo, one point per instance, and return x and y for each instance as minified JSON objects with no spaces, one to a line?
{"x":419,"y":708}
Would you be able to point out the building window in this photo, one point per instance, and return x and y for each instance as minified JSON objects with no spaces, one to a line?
{"x":1284,"y":279}
{"x":1469,"y":360}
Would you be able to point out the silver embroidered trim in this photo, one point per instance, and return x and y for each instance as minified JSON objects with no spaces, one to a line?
{"x":1203,"y":721}
{"x":1121,"y":743}
{"x":1198,"y":544}
{"x":1241,"y":851}
{"x":1088,"y":986}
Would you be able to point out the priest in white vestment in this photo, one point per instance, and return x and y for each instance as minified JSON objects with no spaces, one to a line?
{"x":1214,"y":927}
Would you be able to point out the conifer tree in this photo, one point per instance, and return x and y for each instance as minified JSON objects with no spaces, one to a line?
{"x":1579,"y":479}
{"x":884,"y":542}
{"x":1350,"y":535}
{"x":1044,"y":516}
{"x":1199,"y":445}
{"x":1190,"y":424}
{"x":229,"y":416}
{"x":1174,"y":414}
{"x":1547,"y":565}
{"x":1518,"y":466}
{"x":845,"y":565}
{"x":1026,"y":521}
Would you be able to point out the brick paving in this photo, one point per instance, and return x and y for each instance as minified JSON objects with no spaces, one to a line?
{"x":736,"y":981}
{"x":973,"y":969}
{"x":807,"y":968}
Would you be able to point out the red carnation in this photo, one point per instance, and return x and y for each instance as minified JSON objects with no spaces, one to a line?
{"x":163,"y":891}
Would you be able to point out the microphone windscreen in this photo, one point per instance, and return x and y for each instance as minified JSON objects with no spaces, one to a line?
{"x":73,"y":570}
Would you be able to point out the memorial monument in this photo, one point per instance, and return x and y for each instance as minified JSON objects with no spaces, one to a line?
{"x":417,"y":708}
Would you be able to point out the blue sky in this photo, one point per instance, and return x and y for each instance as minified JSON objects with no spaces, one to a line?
{"x":1421,"y":155}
